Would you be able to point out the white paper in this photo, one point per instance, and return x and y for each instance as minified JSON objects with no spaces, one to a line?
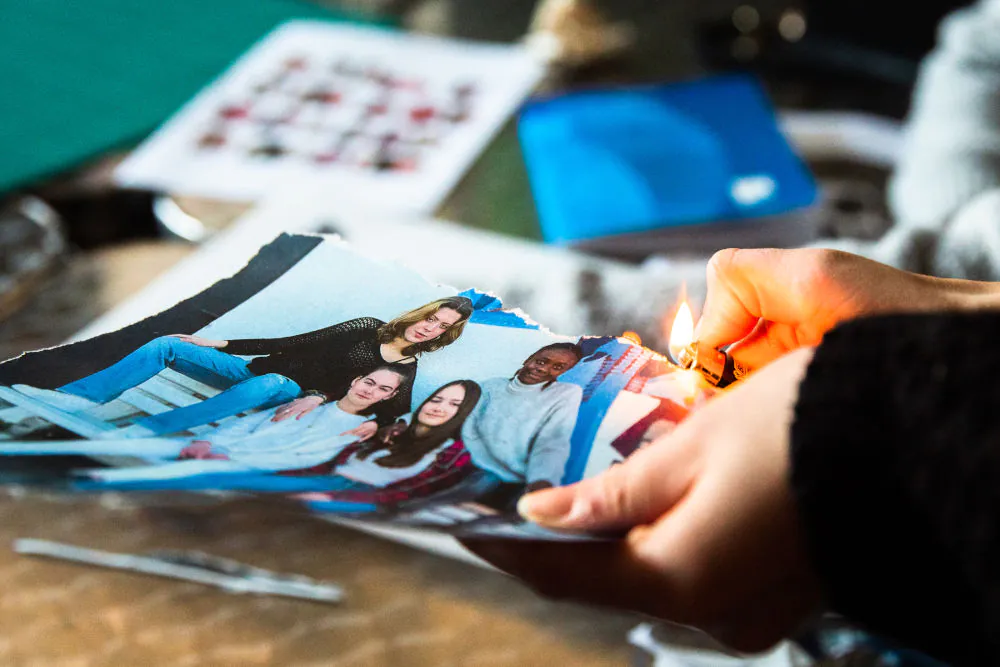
{"x":303,"y":63}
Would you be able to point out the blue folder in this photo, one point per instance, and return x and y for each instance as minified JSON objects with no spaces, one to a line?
{"x":638,"y":159}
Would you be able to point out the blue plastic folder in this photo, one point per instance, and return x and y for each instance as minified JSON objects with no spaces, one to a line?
{"x":666,"y":157}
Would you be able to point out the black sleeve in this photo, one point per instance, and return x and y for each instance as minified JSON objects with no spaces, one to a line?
{"x":896,"y":471}
{"x":345,"y":332}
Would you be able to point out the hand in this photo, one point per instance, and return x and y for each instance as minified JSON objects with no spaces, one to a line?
{"x":298,"y":408}
{"x":203,"y":342}
{"x":767,"y":302}
{"x":198,"y":449}
{"x":364,"y":431}
{"x":389,"y":433}
{"x":713,"y":536}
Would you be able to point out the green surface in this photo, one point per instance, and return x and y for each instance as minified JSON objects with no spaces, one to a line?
{"x":495,"y":194}
{"x":83,"y":77}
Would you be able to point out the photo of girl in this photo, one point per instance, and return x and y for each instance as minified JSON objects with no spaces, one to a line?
{"x":299,"y":372}
{"x":254,"y":443}
{"x":339,"y":418}
{"x":418,"y":461}
{"x":425,"y":458}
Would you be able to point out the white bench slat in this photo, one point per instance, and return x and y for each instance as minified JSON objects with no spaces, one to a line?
{"x":430,"y":516}
{"x":190,"y":385}
{"x":78,"y":423}
{"x":162,"y":392}
{"x":13,"y":414}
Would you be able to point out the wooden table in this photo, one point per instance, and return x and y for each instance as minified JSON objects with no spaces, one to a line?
{"x":404,"y":607}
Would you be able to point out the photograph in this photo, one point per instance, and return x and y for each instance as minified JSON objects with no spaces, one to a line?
{"x":349,"y":384}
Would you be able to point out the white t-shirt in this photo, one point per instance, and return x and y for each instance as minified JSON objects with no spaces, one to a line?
{"x":290,"y":444}
{"x":254,"y":443}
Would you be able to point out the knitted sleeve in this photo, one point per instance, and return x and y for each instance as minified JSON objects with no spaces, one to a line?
{"x":896,"y":470}
{"x":343,"y":333}
{"x":550,"y":449}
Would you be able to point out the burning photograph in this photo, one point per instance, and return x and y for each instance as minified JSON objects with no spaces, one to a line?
{"x":351,"y":385}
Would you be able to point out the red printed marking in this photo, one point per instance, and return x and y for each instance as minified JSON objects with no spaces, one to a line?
{"x":233,"y":112}
{"x":421,"y":114}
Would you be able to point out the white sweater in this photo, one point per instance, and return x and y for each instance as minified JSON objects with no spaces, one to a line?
{"x":945,"y":192}
{"x":521,"y":432}
{"x":289,"y":444}
{"x":255,"y":443}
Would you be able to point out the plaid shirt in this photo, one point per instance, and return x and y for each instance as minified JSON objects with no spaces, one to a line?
{"x":451,"y":465}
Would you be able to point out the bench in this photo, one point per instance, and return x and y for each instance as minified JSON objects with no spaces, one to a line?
{"x":165,"y":391}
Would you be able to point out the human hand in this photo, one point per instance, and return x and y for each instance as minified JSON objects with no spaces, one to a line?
{"x":364,"y":431}
{"x":389,"y":433}
{"x":198,"y":449}
{"x":766,"y":301}
{"x":713,"y":536}
{"x":203,"y":342}
{"x":298,"y":408}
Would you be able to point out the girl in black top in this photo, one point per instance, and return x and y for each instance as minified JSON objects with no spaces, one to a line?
{"x":301,"y":371}
{"x":356,"y":347}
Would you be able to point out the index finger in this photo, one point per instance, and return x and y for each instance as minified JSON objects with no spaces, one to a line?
{"x":744,"y":287}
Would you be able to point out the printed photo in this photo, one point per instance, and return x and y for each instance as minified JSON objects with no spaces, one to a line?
{"x":349,"y":384}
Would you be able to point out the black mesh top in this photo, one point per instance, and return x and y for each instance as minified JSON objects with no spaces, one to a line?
{"x":326,"y":360}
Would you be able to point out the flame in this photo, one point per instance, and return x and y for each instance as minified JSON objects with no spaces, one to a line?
{"x":682,"y":330}
{"x":633,"y":336}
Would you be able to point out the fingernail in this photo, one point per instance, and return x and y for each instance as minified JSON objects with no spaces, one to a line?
{"x":547,"y":506}
{"x":637,"y":534}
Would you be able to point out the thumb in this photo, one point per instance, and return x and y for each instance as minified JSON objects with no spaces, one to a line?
{"x":744,"y":286}
{"x":635,"y":492}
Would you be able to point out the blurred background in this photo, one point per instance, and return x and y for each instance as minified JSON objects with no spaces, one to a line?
{"x":75,"y":243}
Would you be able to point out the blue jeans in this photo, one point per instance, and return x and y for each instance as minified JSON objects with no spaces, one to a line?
{"x":242,"y":390}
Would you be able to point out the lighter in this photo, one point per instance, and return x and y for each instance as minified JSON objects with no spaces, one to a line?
{"x":718,"y":367}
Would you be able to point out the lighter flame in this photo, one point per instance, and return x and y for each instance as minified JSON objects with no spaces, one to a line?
{"x":682,"y":330}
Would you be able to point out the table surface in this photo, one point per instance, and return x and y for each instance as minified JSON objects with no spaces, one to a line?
{"x":404,"y":607}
